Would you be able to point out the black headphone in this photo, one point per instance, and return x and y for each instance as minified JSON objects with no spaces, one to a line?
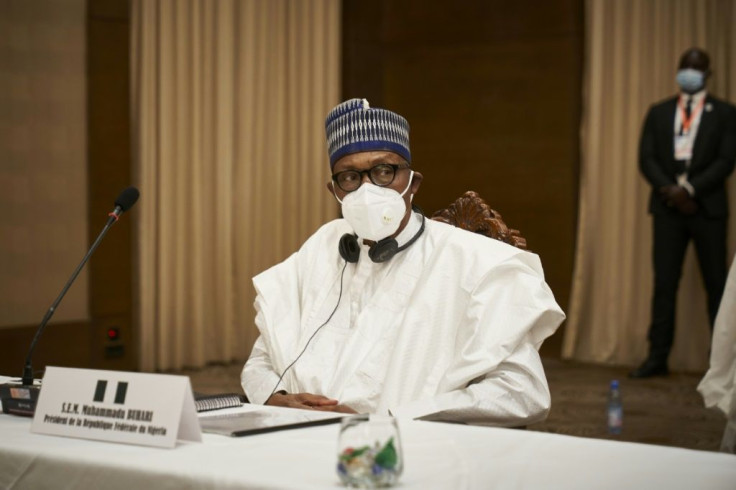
{"x":382,"y":251}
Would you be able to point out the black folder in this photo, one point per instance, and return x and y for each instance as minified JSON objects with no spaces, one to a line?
{"x":262,"y":421}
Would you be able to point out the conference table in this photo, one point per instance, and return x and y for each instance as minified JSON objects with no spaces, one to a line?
{"x":436,"y":455}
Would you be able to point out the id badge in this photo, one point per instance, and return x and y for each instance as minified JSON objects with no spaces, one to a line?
{"x":683,"y":147}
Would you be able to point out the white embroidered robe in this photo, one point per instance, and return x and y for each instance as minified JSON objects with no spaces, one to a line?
{"x":449,"y":329}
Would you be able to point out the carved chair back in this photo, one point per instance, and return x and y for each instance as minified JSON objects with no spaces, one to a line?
{"x":470,"y":212}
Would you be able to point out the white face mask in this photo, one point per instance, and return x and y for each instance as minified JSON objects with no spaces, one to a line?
{"x":374,"y":212}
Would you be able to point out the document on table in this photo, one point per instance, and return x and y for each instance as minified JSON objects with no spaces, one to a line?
{"x":257,"y":419}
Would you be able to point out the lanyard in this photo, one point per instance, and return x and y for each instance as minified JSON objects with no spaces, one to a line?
{"x":687,"y":121}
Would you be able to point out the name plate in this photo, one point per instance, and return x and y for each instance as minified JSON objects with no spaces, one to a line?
{"x":117,"y":406}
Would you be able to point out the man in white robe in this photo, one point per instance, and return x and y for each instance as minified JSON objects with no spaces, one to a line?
{"x":445,"y":326}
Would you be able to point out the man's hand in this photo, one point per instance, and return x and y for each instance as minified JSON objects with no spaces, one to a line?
{"x":689,"y":207}
{"x":336,"y":408}
{"x":306,"y":401}
{"x":676,"y":196}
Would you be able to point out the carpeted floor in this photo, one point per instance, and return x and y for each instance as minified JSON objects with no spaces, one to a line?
{"x":666,"y":411}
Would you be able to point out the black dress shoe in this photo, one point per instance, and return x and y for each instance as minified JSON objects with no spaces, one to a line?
{"x":650,"y":368}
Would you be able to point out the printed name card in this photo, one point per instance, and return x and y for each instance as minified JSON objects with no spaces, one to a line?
{"x":117,"y":406}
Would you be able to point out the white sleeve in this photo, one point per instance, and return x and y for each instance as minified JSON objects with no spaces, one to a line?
{"x":514,"y":394}
{"x":277,"y":307}
{"x":258,"y":377}
{"x":496,"y":376}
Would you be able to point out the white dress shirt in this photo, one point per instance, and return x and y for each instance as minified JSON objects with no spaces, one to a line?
{"x":697,"y":107}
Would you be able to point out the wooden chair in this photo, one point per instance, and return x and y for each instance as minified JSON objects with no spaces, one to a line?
{"x":470,"y":212}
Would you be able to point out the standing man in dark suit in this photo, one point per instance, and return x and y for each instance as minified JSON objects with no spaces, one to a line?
{"x":687,"y":150}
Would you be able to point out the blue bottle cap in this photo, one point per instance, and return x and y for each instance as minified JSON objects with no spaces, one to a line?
{"x":614,"y":383}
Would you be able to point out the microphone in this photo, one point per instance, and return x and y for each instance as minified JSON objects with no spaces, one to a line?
{"x":123,"y":203}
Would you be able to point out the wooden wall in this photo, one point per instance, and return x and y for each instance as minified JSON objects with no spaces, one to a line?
{"x":492,"y":92}
{"x":110,"y":271}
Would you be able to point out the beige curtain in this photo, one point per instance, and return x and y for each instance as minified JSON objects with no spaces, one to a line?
{"x":229,"y":100}
{"x":632,"y":50}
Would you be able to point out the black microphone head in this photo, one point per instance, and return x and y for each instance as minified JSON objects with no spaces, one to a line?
{"x":127,"y":198}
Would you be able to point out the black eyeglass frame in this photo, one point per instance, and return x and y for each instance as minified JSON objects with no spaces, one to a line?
{"x":360,"y":173}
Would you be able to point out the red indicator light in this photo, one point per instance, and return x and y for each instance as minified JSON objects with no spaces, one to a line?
{"x":113,"y":333}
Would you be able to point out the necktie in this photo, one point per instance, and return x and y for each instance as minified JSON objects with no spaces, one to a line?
{"x":688,"y":109}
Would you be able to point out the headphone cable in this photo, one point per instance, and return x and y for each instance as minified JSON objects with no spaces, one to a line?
{"x":342,"y":274}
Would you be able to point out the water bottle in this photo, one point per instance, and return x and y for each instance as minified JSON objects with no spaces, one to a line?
{"x":615,"y":409}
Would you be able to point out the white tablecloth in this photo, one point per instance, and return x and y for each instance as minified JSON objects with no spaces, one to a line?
{"x":443,"y":456}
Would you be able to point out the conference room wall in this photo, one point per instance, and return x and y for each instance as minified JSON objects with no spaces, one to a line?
{"x":103,"y":168}
{"x":492,"y":90}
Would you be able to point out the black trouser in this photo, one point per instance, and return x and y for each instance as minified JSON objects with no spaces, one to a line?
{"x":672,"y":233}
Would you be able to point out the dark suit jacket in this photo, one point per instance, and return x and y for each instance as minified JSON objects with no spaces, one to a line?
{"x":714,"y":154}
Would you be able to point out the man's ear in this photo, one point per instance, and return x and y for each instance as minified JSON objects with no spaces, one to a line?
{"x":330,"y":188}
{"x":416,"y":182}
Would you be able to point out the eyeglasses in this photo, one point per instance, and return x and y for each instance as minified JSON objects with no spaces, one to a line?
{"x":381,"y":175}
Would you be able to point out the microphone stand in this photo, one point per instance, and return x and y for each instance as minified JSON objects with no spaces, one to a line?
{"x":21,"y":399}
{"x":27,"y":368}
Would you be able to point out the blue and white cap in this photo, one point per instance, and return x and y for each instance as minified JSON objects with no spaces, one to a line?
{"x":353,"y":126}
